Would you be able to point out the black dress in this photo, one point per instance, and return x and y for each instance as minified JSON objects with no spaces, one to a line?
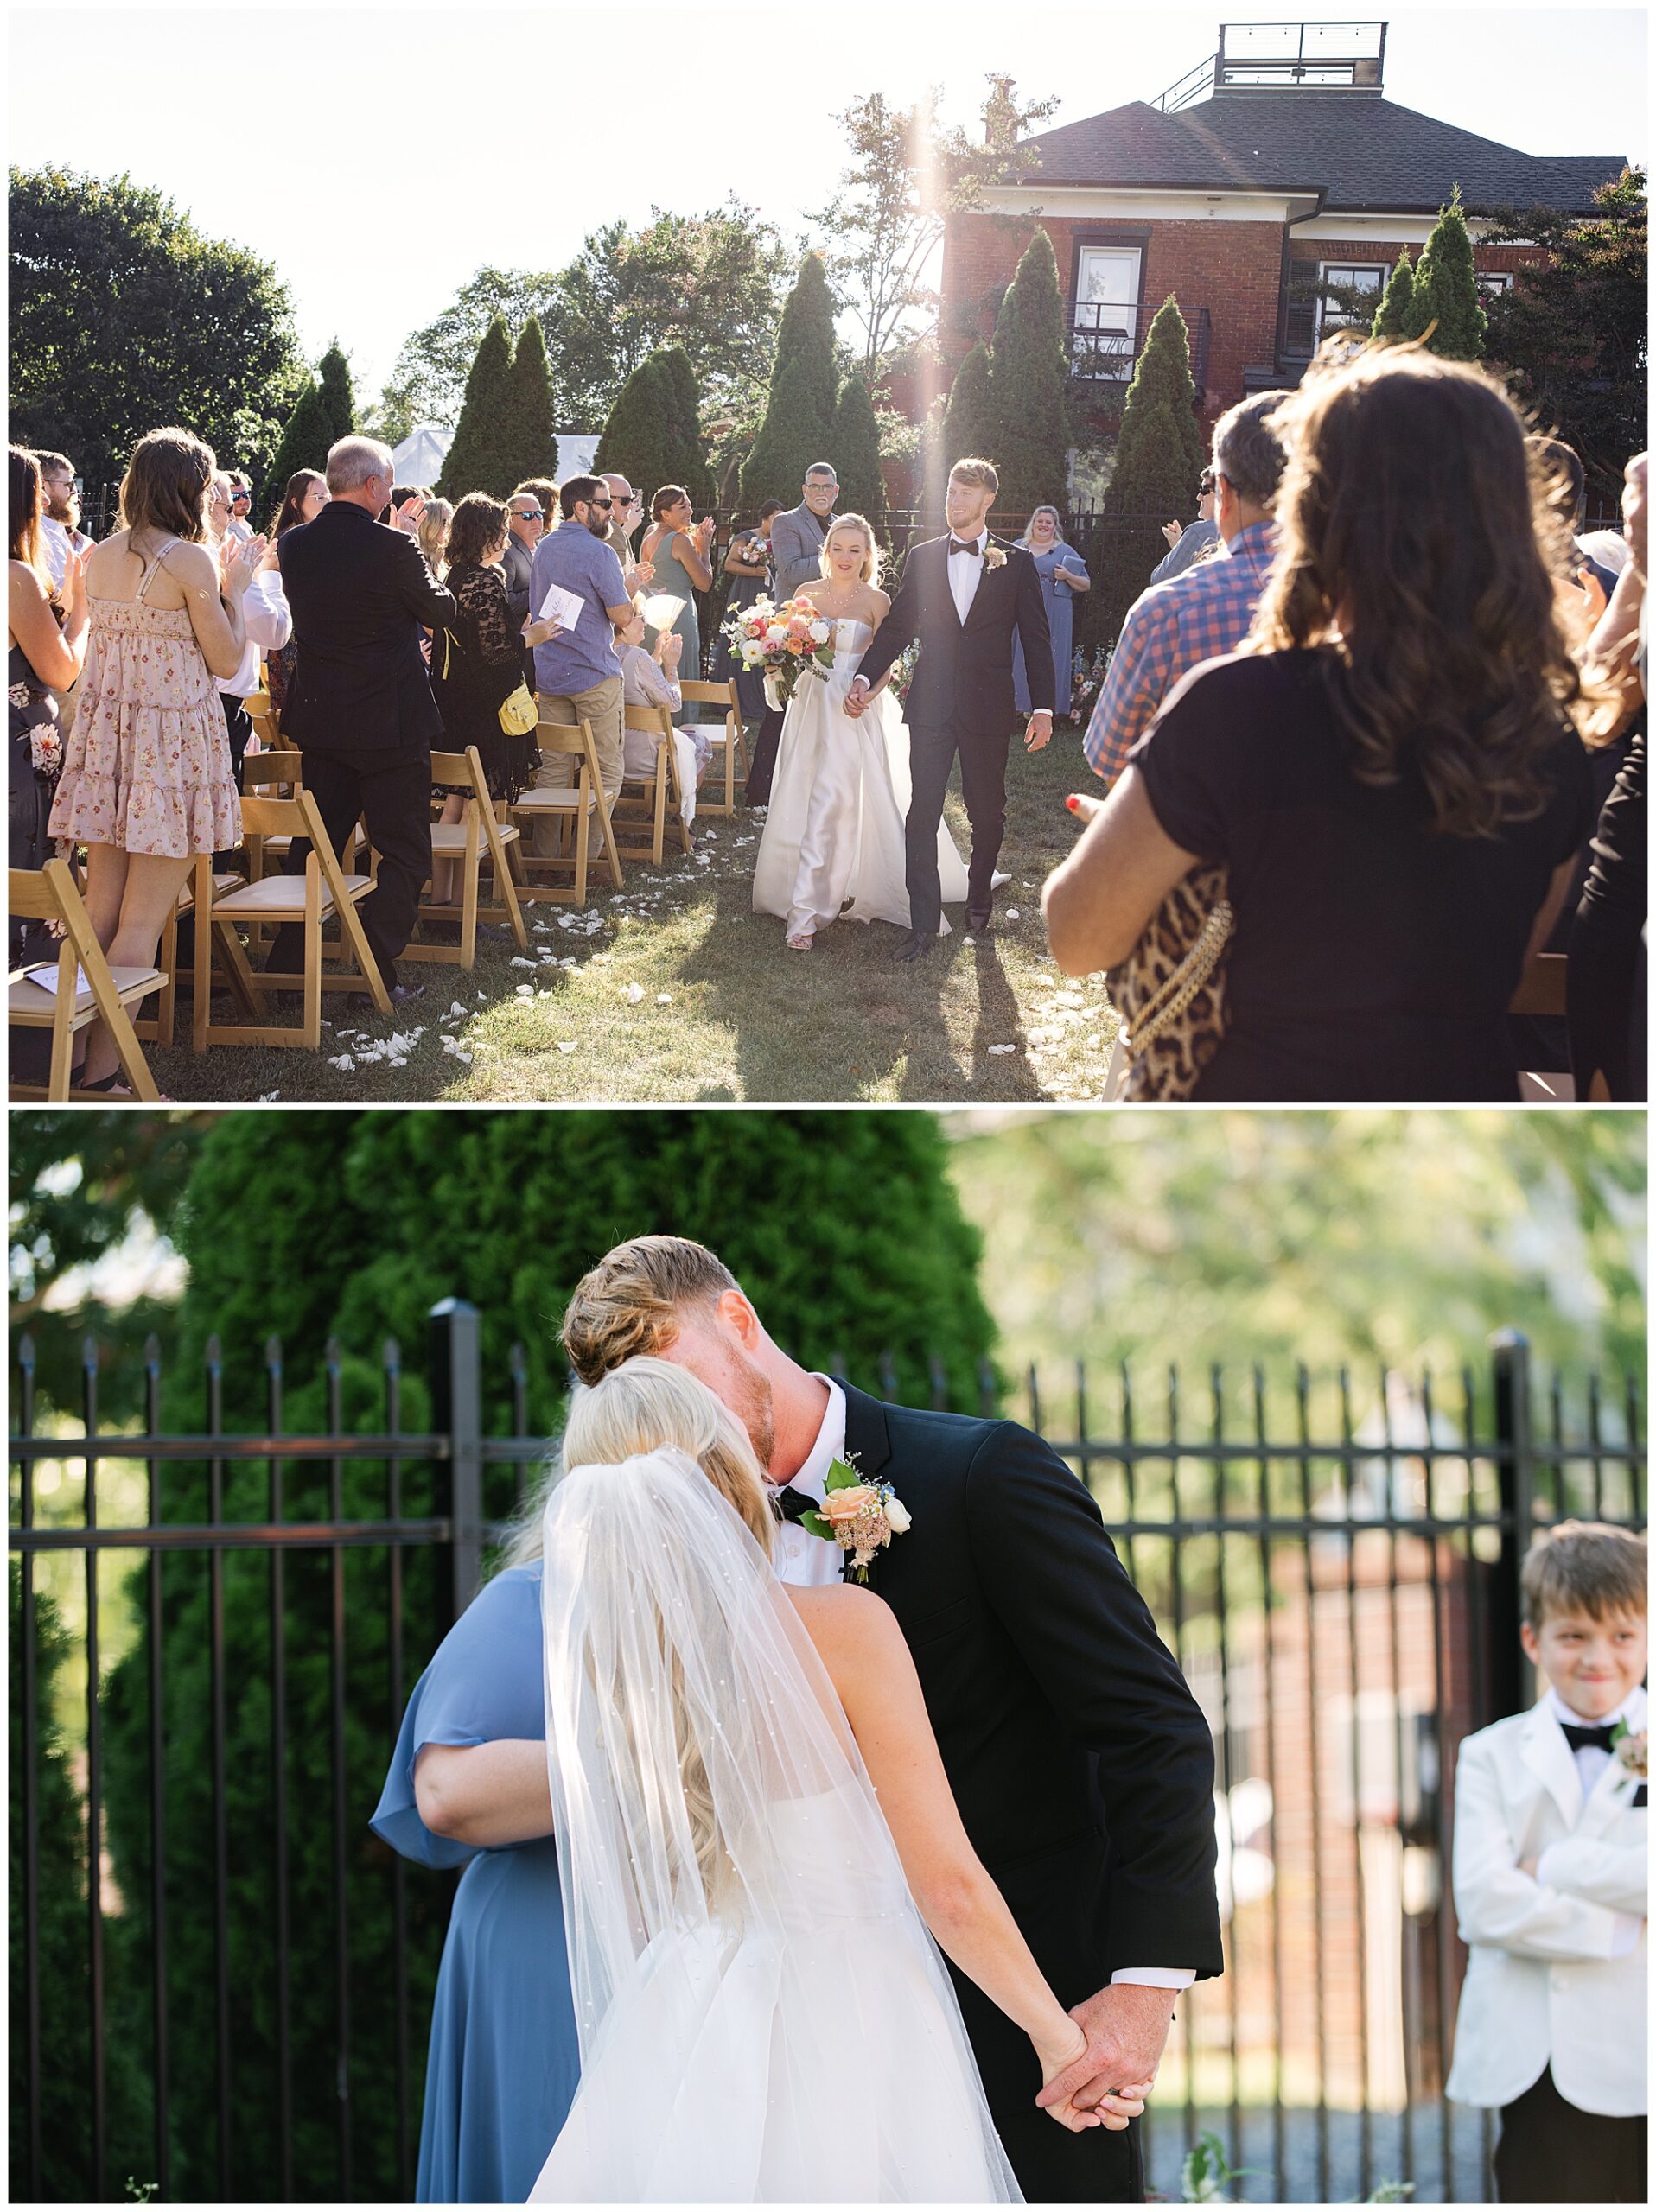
{"x":475,"y":667}
{"x":1372,"y":958}
{"x":1607,"y":940}
{"x":36,"y":746}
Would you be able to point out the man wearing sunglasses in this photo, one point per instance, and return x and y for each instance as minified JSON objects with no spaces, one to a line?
{"x":525,"y":525}
{"x":577,"y":673}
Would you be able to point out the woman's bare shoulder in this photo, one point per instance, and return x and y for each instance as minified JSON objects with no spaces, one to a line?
{"x":880,"y":603}
{"x":842,"y":1617}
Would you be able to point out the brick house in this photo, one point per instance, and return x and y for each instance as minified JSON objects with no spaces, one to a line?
{"x":1269,"y":192}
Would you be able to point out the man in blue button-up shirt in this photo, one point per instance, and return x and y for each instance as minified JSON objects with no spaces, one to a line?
{"x":577,"y":674}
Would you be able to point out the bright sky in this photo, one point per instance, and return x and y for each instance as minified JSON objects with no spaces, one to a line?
{"x":375,"y":211}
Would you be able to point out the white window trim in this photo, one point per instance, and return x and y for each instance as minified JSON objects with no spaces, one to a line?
{"x":1325,"y":269}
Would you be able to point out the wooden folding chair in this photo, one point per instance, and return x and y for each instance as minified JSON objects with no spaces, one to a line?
{"x":576,"y":804}
{"x":645,"y":800}
{"x":477,"y":830}
{"x":98,"y":993}
{"x":730,"y":744}
{"x":156,"y":1028}
{"x":261,"y":712}
{"x":324,"y":891}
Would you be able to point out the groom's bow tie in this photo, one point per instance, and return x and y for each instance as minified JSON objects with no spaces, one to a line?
{"x":792,"y":1504}
{"x":971,"y":547}
{"x":1588,"y":1740}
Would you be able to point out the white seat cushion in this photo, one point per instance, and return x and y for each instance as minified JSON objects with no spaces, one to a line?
{"x":451,"y":836}
{"x":31,"y":1005}
{"x":280,"y":898}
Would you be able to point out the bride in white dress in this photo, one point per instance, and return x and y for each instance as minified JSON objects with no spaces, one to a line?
{"x":834,"y":829}
{"x":762,"y":2014}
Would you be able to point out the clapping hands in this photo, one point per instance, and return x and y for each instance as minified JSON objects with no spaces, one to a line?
{"x":239,"y":560}
{"x":1173,"y":532}
{"x":410,"y":515}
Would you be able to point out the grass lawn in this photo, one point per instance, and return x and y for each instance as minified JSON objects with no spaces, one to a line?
{"x":672,"y":990}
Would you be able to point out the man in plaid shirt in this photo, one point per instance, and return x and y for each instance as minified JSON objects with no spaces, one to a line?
{"x":1209,"y":609}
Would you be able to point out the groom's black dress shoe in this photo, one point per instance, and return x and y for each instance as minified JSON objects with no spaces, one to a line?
{"x":978,"y":919}
{"x":915,"y":946}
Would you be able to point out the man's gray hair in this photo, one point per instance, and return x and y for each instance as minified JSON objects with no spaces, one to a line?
{"x":821,"y":468}
{"x":1247,"y":451}
{"x":354,"y":461}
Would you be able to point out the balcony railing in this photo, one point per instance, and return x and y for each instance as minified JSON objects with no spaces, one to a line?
{"x":1105,"y":339}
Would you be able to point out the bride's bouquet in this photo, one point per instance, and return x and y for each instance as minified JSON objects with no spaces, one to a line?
{"x":781,"y":643}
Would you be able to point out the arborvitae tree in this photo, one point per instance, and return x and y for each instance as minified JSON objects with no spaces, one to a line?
{"x":969,"y":423}
{"x":691,"y":469}
{"x":1397,"y":302}
{"x":333,"y":376}
{"x":531,"y":427}
{"x":1157,"y":471}
{"x":855,"y":454}
{"x":304,"y":441}
{"x":799,"y":424}
{"x":480,"y":460}
{"x":1030,"y":372}
{"x":638,"y":441}
{"x":1446,"y":297}
{"x":850,"y":1249}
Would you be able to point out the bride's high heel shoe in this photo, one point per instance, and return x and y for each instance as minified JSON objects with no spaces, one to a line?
{"x":800,"y":943}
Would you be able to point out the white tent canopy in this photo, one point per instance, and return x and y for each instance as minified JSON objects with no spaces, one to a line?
{"x":420,"y":457}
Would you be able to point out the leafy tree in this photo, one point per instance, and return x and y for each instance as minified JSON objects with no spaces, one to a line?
{"x":690,"y":468}
{"x":970,"y":426}
{"x":855,"y":454}
{"x":908,"y":172}
{"x":1158,"y":465}
{"x":1391,"y":317}
{"x":333,"y":379}
{"x":481,"y":458}
{"x":850,"y":1249}
{"x":1446,"y":301}
{"x":125,"y":317}
{"x":1029,"y":371}
{"x":305,"y":440}
{"x":799,"y":424}
{"x":638,"y":442}
{"x":529,"y":430}
{"x":1570,"y":335}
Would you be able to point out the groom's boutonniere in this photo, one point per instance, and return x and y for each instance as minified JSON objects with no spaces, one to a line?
{"x":993,"y":556}
{"x":861,"y":1517}
{"x":1634,"y":1751}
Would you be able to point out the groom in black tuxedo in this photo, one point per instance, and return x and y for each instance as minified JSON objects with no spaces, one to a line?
{"x":1081,"y":1764}
{"x":964,"y":597}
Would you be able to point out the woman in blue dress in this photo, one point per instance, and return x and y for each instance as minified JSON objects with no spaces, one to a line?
{"x":1063,"y":573}
{"x":504,"y":2063}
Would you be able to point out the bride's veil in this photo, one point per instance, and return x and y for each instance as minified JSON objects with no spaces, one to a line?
{"x":717,"y":1833}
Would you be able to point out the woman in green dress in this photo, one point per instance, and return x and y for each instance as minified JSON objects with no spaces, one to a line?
{"x":680,"y":553}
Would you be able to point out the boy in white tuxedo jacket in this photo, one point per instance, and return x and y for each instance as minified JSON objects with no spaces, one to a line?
{"x":1550,"y":1885}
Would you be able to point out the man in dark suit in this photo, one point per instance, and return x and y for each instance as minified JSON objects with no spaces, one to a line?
{"x":360,"y":705}
{"x":1081,"y":1764}
{"x":966,"y":597}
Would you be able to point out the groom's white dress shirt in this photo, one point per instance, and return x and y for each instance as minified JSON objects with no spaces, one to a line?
{"x":811,"y":1562}
{"x":966,"y":574}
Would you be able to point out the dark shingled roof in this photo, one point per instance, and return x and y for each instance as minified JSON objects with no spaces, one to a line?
{"x":1357,"y":149}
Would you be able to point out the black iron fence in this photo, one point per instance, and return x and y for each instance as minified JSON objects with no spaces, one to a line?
{"x":221,"y":1983}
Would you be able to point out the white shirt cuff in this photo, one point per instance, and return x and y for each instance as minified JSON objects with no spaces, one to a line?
{"x":1155,"y":1977}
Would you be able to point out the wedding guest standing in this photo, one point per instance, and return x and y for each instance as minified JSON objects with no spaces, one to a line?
{"x":61,"y":530}
{"x":46,"y":646}
{"x":265,"y":617}
{"x":303,"y":501}
{"x":525,"y":525}
{"x":1389,"y":771}
{"x":432,"y":536}
{"x":1188,"y":542}
{"x":798,"y":534}
{"x":1063,"y":573}
{"x":748,"y":565}
{"x":360,"y":708}
{"x":577,"y":674}
{"x":467,"y":1788}
{"x":677,"y":550}
{"x":1550,"y":1886}
{"x":147,"y":779}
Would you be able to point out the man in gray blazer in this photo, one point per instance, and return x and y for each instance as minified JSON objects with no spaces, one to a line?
{"x":797,"y":537}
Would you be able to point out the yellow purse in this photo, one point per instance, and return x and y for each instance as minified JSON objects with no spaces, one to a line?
{"x":519,"y":714}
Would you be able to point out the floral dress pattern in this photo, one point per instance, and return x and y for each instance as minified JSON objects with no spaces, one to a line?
{"x":146,"y":766}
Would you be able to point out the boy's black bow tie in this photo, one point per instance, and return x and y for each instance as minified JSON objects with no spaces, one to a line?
{"x":973,"y":548}
{"x":791,"y":1504}
{"x":1588,"y":1740}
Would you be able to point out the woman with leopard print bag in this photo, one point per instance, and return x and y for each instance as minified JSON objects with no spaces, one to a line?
{"x":1390,"y":774}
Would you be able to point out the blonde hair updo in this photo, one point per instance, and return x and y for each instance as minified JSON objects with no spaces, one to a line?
{"x":645,"y":1404}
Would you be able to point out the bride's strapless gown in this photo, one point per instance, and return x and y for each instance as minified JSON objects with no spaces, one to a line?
{"x":835,"y":828}
{"x":819,"y":2059}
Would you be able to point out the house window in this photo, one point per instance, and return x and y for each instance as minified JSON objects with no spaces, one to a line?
{"x":1492,"y":286}
{"x":1105,"y":335}
{"x":1347,"y":294}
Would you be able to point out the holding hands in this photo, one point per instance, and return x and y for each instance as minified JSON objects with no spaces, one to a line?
{"x":1124,"y":2029}
{"x":857,"y":697}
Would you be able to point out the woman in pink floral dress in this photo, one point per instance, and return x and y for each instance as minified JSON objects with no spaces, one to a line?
{"x":147,"y":779}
